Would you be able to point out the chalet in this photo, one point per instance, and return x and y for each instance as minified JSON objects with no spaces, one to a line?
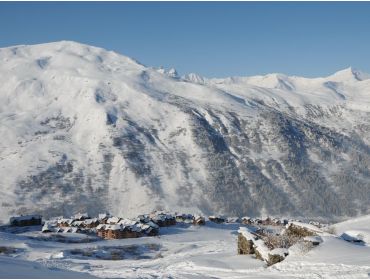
{"x":199,"y":220}
{"x":27,"y":220}
{"x":246,"y":220}
{"x":67,"y":229}
{"x":80,"y":217}
{"x":276,"y":222}
{"x":150,"y":229}
{"x":256,"y":221}
{"x":90,"y":223}
{"x":163,"y":220}
{"x":117,"y":231}
{"x":78,"y":224}
{"x":143,"y":218}
{"x":216,"y":219}
{"x":231,"y":220}
{"x":47,"y":228}
{"x":184,"y":218}
{"x":113,"y":220}
{"x":58,"y":229}
{"x":65,"y":222}
{"x":103,"y":218}
{"x":100,"y":230}
{"x":266,"y":221}
{"x":72,"y":230}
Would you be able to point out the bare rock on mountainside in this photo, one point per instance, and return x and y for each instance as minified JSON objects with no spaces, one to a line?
{"x":85,"y":129}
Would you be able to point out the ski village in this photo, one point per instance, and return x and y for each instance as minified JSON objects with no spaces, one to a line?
{"x":267,"y":240}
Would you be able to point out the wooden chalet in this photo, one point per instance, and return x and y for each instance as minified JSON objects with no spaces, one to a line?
{"x":103,"y":218}
{"x":216,"y":219}
{"x":90,"y":223}
{"x":27,"y":220}
{"x":199,"y":220}
{"x":116,"y":231}
{"x":162,"y":219}
{"x":80,"y":217}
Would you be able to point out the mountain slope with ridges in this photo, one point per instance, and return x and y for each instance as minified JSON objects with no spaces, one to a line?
{"x":85,"y":129}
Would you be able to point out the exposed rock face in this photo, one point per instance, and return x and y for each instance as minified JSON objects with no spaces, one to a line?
{"x":299,"y":231}
{"x":276,"y":256}
{"x":245,"y":247}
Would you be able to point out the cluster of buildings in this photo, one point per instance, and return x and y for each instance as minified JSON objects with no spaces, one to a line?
{"x":112,"y":227}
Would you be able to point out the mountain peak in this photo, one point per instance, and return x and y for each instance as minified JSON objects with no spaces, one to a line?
{"x":349,"y":74}
{"x":194,"y":78}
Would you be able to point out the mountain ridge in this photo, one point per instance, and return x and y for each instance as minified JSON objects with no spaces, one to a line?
{"x":85,"y":129}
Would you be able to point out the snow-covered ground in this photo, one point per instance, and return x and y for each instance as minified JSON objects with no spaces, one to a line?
{"x":355,"y":227}
{"x":181,"y":251}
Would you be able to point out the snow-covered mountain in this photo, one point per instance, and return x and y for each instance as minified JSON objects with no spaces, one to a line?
{"x":85,"y":129}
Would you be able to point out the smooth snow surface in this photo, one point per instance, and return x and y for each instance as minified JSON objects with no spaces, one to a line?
{"x":11,"y":268}
{"x":357,"y":227}
{"x":180,"y":251}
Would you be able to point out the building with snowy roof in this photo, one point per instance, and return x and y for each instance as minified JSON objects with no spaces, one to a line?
{"x":27,"y":220}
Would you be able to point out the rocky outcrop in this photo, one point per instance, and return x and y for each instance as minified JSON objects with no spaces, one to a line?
{"x":245,"y":246}
{"x":249,"y":243}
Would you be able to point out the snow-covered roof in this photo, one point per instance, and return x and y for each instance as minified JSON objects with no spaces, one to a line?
{"x":232,"y":219}
{"x":67,"y":229}
{"x":74,"y":229}
{"x":101,"y":226}
{"x":51,"y":223}
{"x":114,"y":227}
{"x":113,"y":220}
{"x":77,"y":223}
{"x":153,"y":225}
{"x":136,"y":228}
{"x":46,"y":227}
{"x":90,"y":221}
{"x":127,"y":222}
{"x":80,"y":216}
{"x":104,"y":216}
{"x":68,"y":221}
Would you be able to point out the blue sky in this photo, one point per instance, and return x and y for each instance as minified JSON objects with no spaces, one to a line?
{"x":214,"y":39}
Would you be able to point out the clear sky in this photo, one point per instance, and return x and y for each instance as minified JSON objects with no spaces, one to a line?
{"x":214,"y":39}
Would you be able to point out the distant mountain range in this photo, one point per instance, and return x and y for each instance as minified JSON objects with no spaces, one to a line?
{"x":86,"y":129}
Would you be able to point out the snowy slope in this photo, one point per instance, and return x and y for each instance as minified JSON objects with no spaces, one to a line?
{"x":181,"y":251}
{"x":355,"y":227}
{"x":11,"y":268}
{"x":85,"y":129}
